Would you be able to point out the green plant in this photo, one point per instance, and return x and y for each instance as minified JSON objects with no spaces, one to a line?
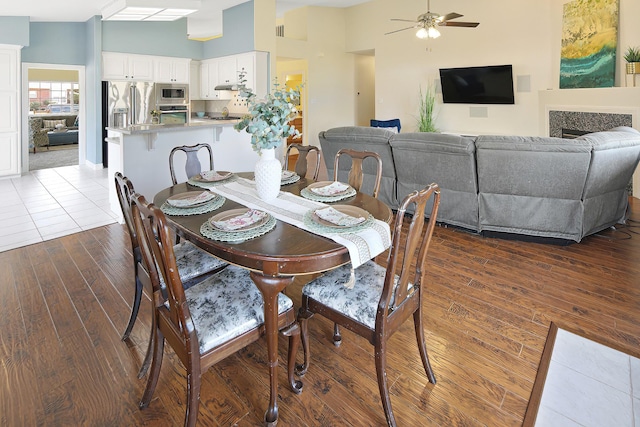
{"x":632,"y":54}
{"x":426,"y":119}
{"x":268,"y":119}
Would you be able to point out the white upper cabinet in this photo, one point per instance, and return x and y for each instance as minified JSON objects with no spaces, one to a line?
{"x":172,"y":70}
{"x":123,"y":66}
{"x":194,"y":81}
{"x":227,"y":69}
{"x":208,"y":79}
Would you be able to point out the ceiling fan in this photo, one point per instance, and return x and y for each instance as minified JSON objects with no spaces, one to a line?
{"x":427,"y":23}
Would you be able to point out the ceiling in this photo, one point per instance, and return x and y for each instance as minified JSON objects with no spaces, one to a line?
{"x":82,"y":10}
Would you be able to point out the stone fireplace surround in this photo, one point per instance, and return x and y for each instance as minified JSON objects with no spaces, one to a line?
{"x":590,"y":110}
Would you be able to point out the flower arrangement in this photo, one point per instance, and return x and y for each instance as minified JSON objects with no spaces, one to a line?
{"x":155,"y":113}
{"x":268,"y":119}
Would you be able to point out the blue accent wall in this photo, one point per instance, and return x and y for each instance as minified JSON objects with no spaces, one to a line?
{"x":56,"y":43}
{"x":14,"y":30}
{"x":93,"y":95}
{"x":150,"y":38}
{"x":237,"y":33}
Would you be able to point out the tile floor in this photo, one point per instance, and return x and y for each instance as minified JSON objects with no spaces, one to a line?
{"x":49,"y":203}
{"x":589,"y":384}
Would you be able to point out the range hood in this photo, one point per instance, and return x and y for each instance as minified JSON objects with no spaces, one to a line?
{"x":227,"y":86}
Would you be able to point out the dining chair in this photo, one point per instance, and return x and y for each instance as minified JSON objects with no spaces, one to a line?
{"x":303,"y":159}
{"x":380,"y":300}
{"x":192,"y":165}
{"x":193,"y":263}
{"x":390,"y":124}
{"x":356,"y":174}
{"x":207,"y":322}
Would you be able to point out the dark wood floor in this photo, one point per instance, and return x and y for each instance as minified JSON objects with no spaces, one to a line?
{"x":64,"y":303}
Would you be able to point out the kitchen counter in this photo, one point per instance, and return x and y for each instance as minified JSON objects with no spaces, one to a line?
{"x":157,"y":128}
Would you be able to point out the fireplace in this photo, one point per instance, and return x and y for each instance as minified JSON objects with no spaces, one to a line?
{"x":571,"y":124}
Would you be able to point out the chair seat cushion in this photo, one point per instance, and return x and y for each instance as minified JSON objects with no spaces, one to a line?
{"x":227,"y":305}
{"x":360,"y":302}
{"x":193,"y":261}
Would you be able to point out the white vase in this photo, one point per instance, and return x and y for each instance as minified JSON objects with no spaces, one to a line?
{"x":268,"y":173}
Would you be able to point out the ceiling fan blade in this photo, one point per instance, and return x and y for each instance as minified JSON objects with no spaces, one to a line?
{"x":401,"y":29}
{"x":450,"y":16}
{"x":459,"y":24}
{"x":403,"y":20}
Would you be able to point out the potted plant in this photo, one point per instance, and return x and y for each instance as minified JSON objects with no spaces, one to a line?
{"x":155,"y":116}
{"x":426,"y":119}
{"x":268,"y":123}
{"x":632,"y":56}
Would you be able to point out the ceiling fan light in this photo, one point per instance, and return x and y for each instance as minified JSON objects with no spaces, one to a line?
{"x":422,"y":33}
{"x":433,"y":33}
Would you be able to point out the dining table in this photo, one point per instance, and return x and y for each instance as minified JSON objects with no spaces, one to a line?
{"x":274,"y":258}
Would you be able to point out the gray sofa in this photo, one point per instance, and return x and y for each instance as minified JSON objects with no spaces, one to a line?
{"x":528,"y":187}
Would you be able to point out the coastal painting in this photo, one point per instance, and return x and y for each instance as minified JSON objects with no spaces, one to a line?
{"x":589,"y":41}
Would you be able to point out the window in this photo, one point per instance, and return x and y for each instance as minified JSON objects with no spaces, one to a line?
{"x":53,"y":97}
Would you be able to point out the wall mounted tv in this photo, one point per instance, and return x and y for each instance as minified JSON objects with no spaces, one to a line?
{"x":491,"y":84}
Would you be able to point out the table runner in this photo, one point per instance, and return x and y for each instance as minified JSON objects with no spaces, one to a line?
{"x":363,"y":244}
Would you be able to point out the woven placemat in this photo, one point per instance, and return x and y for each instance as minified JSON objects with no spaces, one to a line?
{"x":209,"y":231}
{"x":210,"y":206}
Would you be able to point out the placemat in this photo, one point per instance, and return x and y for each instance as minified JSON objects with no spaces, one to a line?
{"x":210,"y":232}
{"x":210,"y":206}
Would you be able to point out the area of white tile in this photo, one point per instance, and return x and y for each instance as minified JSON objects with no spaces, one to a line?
{"x":51,"y":203}
{"x":589,"y":385}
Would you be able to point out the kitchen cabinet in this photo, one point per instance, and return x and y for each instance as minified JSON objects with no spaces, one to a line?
{"x":208,"y":79}
{"x":226,"y":70}
{"x":122,"y":66}
{"x":194,"y":80}
{"x":9,"y":105}
{"x":172,"y":70}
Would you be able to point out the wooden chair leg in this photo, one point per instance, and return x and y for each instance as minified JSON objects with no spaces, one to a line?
{"x":137,"y":296}
{"x":417,"y":321}
{"x":293,"y":332}
{"x":381,"y":365}
{"x":337,"y":338}
{"x":193,"y":393}
{"x":152,"y":381}
{"x":303,"y":318}
{"x":147,"y":358}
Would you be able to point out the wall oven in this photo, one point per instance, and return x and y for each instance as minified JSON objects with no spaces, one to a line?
{"x":172,"y":94}
{"x":174,"y":114}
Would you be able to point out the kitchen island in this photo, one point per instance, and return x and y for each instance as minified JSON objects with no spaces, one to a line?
{"x":141,"y":152}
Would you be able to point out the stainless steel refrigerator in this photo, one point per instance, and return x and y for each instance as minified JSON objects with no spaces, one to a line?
{"x":125,"y":103}
{"x":129,"y":103}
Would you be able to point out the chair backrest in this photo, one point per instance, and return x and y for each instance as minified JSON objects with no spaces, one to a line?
{"x":414,"y":252}
{"x":303,"y":160}
{"x":124,"y":190}
{"x":158,"y":259}
{"x":192,"y":166}
{"x":356,"y":175}
{"x":393,"y":123}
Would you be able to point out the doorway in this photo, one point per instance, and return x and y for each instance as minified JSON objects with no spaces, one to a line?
{"x":365,"y":87}
{"x":53,"y":108}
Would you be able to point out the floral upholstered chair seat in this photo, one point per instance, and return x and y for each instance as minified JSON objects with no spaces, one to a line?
{"x":193,"y":261}
{"x":360,"y":302}
{"x":227,"y":305}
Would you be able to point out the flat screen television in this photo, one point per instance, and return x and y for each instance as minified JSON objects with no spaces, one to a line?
{"x":491,"y":84}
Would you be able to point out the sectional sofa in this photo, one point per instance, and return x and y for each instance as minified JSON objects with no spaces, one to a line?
{"x":531,"y":188}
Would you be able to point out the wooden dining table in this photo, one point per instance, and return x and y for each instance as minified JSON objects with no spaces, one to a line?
{"x":274,"y":258}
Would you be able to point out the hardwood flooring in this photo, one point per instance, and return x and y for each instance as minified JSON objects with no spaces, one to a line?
{"x":65,"y":302}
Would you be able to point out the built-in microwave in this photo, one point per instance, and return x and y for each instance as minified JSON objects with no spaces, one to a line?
{"x":172,"y":94}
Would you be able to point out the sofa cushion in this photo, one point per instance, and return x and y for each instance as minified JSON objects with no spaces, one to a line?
{"x":448,"y":160}
{"x":53,"y":123}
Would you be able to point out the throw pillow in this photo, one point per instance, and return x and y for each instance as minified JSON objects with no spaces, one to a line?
{"x":52,"y":123}
{"x":75,"y":122}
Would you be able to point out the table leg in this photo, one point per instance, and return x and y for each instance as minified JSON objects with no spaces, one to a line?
{"x":270,"y":287}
